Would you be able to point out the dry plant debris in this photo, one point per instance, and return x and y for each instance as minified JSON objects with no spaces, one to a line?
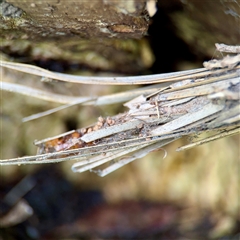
{"x":194,"y":102}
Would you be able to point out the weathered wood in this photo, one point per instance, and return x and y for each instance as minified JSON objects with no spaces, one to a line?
{"x":84,"y":19}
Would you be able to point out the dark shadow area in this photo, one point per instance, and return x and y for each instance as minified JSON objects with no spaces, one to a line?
{"x":168,"y":48}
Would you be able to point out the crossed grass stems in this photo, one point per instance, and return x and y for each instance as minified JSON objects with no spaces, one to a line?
{"x":185,"y":103}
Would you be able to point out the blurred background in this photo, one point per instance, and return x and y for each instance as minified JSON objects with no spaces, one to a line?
{"x":188,"y":195}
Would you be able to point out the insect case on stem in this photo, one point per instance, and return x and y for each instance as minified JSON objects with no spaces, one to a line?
{"x":194,"y":102}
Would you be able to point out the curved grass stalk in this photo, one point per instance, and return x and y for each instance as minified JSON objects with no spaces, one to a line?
{"x":205,"y":100}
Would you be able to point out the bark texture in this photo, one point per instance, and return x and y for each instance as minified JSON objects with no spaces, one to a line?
{"x":85,"y":19}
